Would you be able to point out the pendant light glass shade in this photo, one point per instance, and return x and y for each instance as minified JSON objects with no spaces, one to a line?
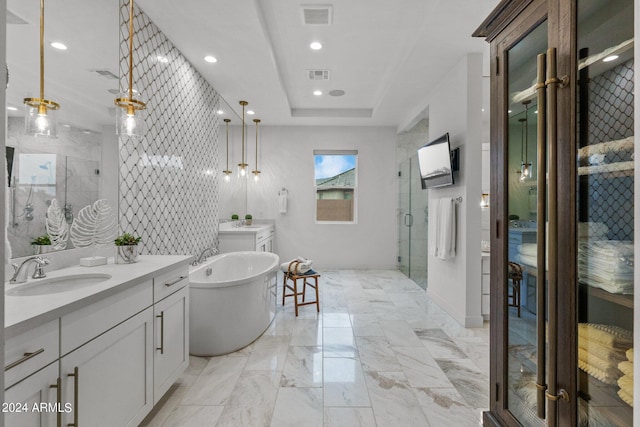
{"x":40,"y":113}
{"x":242,"y":166}
{"x":256,"y":172}
{"x":227,"y":172}
{"x":131,"y":114}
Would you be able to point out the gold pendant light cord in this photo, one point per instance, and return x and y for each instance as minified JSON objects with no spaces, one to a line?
{"x":227,"y":122}
{"x":256,"y":121}
{"x":243,"y":133}
{"x":41,"y":49}
{"x":131,"y":49}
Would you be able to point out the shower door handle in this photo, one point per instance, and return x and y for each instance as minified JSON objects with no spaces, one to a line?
{"x":408,"y":220}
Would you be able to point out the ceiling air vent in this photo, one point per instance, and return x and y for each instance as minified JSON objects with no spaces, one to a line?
{"x":318,"y":74}
{"x":317,"y":14}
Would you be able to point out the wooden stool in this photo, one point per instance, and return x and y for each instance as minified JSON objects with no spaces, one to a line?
{"x":290,"y":275}
{"x":515,"y":275}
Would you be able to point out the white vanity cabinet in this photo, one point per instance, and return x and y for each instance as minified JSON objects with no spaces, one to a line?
{"x":113,"y":356}
{"x":34,"y":392}
{"x":109,"y":380}
{"x":246,"y":238}
{"x":171,"y":348}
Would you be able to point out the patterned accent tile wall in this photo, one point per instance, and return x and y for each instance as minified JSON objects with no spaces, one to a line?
{"x":168,"y":181}
{"x":610,"y":199}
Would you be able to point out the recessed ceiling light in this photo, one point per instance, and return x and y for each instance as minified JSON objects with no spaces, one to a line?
{"x":250,"y":112}
{"x":220,"y":112}
{"x":610,"y":58}
{"x":317,"y":92}
{"x":162,"y":59}
{"x":316,"y":45}
{"x":210,"y":59}
{"x":58,"y":45}
{"x":337,"y":92}
{"x":12,"y":108}
{"x":509,"y":111}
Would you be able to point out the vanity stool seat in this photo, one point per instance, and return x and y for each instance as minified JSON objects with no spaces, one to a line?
{"x":290,"y":282}
{"x":515,"y":275}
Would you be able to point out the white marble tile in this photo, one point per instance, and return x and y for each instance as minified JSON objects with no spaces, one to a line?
{"x":298,"y":407}
{"x":164,"y":407}
{"x":307,"y":332}
{"x":194,"y":416}
{"x":376,"y":354}
{"x":339,"y":342}
{"x":393,"y":401}
{"x":193,"y":371}
{"x":268,"y":354}
{"x":420,"y":368}
{"x":252,"y":400}
{"x":468,"y":379}
{"x":399,"y":333}
{"x":303,"y":367}
{"x":336,"y":320}
{"x":445,"y":407}
{"x":216,"y":382}
{"x":439,"y":344}
{"x":351,"y":417}
{"x":344,"y":383}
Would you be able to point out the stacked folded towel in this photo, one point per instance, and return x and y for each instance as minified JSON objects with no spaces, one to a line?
{"x":625,"y":382}
{"x":607,"y":264}
{"x":299,"y":265}
{"x":601,"y":348}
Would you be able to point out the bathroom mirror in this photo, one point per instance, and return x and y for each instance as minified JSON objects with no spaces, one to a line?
{"x":83,"y":79}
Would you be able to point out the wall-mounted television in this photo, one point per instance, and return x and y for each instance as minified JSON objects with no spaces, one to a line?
{"x":436,"y":163}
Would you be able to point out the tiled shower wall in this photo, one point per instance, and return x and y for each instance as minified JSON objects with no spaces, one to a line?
{"x":168,"y":179}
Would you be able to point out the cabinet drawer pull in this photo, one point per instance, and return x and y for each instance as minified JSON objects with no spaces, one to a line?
{"x":58,"y":387}
{"x":161,"y":348}
{"x":179,"y":279}
{"x":26,"y":357}
{"x":76,"y":380}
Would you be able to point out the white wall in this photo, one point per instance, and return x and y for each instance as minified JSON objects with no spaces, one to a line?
{"x":455,"y":106}
{"x":286,"y":160}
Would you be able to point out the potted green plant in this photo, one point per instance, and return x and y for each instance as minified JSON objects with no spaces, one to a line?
{"x":248,"y":219}
{"x":235,"y":217}
{"x":41,"y":244}
{"x":127,"y":248}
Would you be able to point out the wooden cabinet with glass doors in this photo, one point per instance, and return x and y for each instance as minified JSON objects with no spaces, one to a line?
{"x":562,"y":135}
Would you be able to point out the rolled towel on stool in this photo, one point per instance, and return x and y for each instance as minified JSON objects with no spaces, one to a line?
{"x":298,"y":267}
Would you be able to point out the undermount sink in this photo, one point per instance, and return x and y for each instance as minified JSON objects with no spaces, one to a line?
{"x":54,"y":285}
{"x":253,"y":226}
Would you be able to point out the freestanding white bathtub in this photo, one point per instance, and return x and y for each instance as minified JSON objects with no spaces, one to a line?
{"x":232,"y":301}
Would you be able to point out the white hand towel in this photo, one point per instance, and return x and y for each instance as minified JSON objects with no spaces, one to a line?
{"x":434,"y":208}
{"x":447,"y":229}
{"x":282,"y":202}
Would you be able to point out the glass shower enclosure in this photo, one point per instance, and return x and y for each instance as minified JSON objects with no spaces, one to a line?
{"x":412,"y":222}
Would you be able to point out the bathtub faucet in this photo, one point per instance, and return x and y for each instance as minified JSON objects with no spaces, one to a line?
{"x":203,"y":255}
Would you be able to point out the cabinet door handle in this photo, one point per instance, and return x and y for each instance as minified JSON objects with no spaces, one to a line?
{"x":58,"y":387}
{"x":25,"y":357}
{"x":76,"y":380}
{"x":161,"y":348}
{"x":179,"y":279}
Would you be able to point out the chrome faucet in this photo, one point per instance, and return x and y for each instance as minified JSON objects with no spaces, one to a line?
{"x":203,"y":255}
{"x":20,"y":272}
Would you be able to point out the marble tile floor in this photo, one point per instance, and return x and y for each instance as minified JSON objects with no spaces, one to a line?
{"x":380,"y":353}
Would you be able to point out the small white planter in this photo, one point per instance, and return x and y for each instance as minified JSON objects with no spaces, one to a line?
{"x":126,"y":254}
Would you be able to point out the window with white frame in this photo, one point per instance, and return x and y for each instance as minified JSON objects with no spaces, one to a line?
{"x":335,"y":185}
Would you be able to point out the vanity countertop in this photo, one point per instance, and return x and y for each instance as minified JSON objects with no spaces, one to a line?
{"x":230,"y":228}
{"x":25,"y":312}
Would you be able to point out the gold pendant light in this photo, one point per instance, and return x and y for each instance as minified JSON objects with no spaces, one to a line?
{"x":242,"y":166}
{"x":525,"y":166}
{"x":40,"y":113}
{"x":256,"y":172}
{"x":130,"y":116}
{"x":227,"y":172}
